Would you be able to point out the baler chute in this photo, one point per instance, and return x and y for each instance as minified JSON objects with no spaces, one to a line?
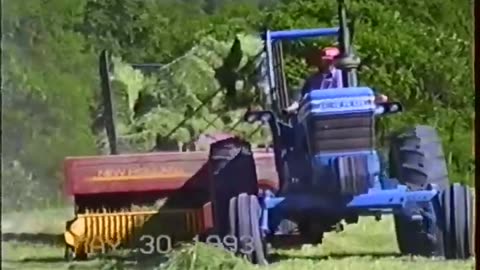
{"x":111,"y":192}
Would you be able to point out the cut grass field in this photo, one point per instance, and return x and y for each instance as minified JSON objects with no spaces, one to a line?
{"x":33,"y":241}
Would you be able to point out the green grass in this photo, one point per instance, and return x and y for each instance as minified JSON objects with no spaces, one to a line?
{"x":32,"y":241}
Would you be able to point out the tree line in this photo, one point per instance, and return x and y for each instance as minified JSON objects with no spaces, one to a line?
{"x":417,"y":52}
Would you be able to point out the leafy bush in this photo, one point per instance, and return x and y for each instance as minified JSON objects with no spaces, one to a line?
{"x":203,"y":256}
{"x":147,"y":105}
{"x":417,"y":52}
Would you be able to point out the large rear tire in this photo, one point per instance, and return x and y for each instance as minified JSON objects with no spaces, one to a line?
{"x":417,"y":158}
{"x":417,"y":161}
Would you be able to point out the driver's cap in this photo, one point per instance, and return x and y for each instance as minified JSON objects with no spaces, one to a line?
{"x":329,"y":53}
{"x":316,"y":56}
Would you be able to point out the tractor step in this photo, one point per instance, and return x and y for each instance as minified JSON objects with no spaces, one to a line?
{"x":390,"y":198}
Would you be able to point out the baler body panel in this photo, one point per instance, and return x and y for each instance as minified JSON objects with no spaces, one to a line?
{"x":106,"y":187}
{"x":162,"y":171}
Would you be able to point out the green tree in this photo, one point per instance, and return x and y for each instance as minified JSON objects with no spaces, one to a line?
{"x":148,"y":105}
{"x":143,"y":30}
{"x":417,"y":52}
{"x":46,"y":89}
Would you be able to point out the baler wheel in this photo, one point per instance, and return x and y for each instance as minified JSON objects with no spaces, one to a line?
{"x":417,"y":160}
{"x":245,"y":213}
{"x":457,"y":219}
{"x":73,"y":253}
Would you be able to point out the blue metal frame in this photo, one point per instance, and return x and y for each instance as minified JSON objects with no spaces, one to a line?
{"x":376,"y":201}
{"x":270,"y":37}
{"x":303,"y":33}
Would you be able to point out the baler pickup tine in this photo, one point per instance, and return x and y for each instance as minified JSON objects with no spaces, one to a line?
{"x":90,"y":233}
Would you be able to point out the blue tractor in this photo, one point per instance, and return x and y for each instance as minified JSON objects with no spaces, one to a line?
{"x":331,"y":173}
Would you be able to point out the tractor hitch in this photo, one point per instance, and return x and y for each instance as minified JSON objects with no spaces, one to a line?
{"x":375,"y":202}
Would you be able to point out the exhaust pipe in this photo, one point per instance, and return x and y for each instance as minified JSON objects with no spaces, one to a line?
{"x":107,"y":100}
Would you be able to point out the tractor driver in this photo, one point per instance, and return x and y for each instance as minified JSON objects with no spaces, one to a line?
{"x":326,"y":76}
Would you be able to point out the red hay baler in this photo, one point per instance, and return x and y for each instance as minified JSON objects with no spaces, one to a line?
{"x":121,"y":198}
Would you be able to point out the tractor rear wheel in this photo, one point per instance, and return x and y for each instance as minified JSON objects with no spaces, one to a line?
{"x":232,"y":172}
{"x":417,"y":161}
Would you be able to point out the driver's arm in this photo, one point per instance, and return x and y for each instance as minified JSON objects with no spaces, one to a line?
{"x":380,"y":98}
{"x":305,"y":89}
{"x":295,"y":105}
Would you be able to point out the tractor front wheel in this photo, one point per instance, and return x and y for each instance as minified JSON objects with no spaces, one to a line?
{"x":245,"y":213}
